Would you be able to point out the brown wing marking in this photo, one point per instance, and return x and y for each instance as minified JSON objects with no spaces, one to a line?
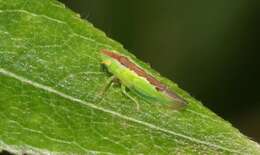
{"x":139,"y":71}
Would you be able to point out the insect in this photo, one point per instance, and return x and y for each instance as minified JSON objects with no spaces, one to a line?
{"x":139,"y":81}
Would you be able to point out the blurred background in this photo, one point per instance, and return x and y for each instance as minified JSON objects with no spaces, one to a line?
{"x":210,"y":48}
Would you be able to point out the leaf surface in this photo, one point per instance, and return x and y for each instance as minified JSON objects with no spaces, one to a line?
{"x":50,"y":84}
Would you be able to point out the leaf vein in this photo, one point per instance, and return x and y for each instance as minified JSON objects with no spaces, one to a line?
{"x":113,"y":113}
{"x":54,"y":20}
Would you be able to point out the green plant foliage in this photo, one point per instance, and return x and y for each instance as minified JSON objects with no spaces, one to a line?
{"x":50,"y":102}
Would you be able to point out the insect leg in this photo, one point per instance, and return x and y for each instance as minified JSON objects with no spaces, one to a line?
{"x":108,"y":83}
{"x":129,"y":96}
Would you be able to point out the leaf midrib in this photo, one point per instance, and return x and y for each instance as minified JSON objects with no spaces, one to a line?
{"x":91,"y":105}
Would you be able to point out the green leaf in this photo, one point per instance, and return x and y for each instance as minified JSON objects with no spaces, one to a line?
{"x":50,"y":84}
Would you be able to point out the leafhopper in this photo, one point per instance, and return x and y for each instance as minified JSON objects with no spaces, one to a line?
{"x":139,"y":81}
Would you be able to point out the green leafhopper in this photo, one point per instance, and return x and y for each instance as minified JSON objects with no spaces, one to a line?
{"x":139,"y":81}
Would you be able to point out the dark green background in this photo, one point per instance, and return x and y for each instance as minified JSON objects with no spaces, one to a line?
{"x":209,"y":48}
